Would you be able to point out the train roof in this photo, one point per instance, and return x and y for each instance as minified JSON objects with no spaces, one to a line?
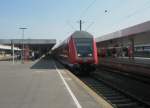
{"x":81,"y":34}
{"x":76,"y":34}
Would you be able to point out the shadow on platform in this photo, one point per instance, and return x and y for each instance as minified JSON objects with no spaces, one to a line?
{"x":46,"y":63}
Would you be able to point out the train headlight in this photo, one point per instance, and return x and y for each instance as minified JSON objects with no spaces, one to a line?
{"x":79,"y":55}
{"x":90,"y":55}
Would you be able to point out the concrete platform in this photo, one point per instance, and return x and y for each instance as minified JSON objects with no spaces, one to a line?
{"x":145,"y":62}
{"x":138,"y":66}
{"x":40,"y":85}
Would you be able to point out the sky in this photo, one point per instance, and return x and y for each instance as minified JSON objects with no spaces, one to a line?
{"x":57,"y":19}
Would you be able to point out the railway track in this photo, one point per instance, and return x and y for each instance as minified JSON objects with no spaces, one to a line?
{"x":117,"y":97}
{"x":144,"y":79}
{"x":114,"y":96}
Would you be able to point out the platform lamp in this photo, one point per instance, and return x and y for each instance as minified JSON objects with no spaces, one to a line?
{"x":22,"y":53}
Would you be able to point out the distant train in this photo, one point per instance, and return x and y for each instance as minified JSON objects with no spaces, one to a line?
{"x":79,"y":52}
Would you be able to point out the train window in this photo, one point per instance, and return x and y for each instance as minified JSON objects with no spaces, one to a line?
{"x":84,"y":47}
{"x":147,"y":48}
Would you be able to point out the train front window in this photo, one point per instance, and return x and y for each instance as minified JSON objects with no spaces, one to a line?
{"x":84,"y":47}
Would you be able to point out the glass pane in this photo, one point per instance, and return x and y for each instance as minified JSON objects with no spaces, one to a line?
{"x":84,"y":47}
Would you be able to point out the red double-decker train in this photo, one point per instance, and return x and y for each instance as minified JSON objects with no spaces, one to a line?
{"x":79,"y":52}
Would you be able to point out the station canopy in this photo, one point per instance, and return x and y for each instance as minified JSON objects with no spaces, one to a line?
{"x":33,"y":44}
{"x":139,"y":33}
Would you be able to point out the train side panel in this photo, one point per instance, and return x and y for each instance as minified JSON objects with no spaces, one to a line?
{"x":72,"y":51}
{"x":95,"y":52}
{"x":78,"y":52}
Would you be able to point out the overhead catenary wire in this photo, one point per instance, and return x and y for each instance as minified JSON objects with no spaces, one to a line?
{"x":86,"y":9}
{"x":138,"y":11}
{"x":82,"y":14}
{"x":106,"y":12}
{"x":89,"y":26}
{"x":70,"y":25}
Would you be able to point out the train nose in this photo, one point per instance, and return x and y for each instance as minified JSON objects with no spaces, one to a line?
{"x":85,"y":60}
{"x":90,"y":60}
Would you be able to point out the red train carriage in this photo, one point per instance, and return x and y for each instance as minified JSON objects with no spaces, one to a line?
{"x":79,"y":52}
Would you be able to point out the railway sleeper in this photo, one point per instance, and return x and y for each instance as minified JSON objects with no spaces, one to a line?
{"x":111,"y":95}
{"x":108,"y":91}
{"x":116,"y":97}
{"x":121,"y":101}
{"x":102,"y":88}
{"x":97,"y":85}
{"x":128,"y":105}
